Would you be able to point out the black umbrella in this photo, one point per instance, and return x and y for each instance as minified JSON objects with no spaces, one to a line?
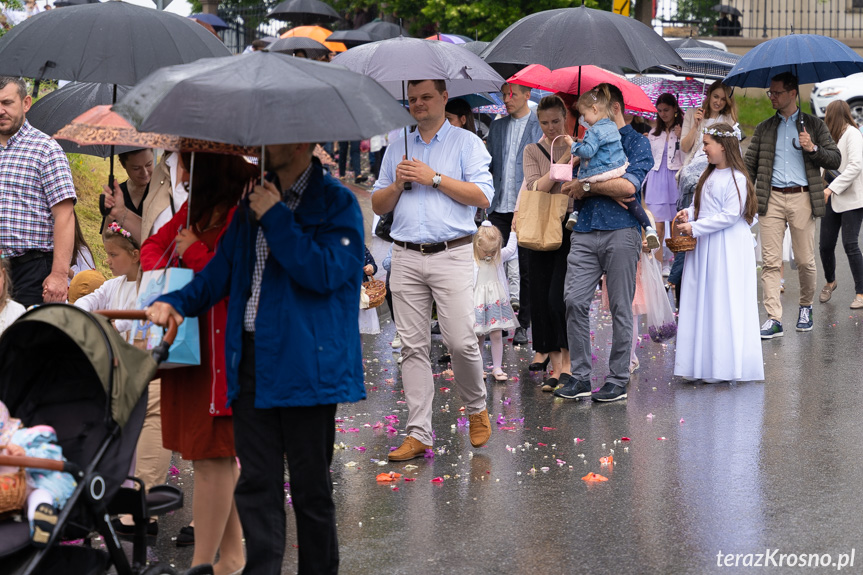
{"x":380,"y":30}
{"x":351,"y":38}
{"x":110,"y":42}
{"x":57,"y":109}
{"x":578,"y":36}
{"x":724,"y":9}
{"x":262,"y":98}
{"x":475,"y":47}
{"x":293,"y":44}
{"x":304,"y":12}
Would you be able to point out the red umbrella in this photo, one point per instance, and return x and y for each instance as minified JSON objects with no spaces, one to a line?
{"x":579,"y":79}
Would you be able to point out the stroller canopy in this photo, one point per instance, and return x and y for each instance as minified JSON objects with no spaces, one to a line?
{"x":39,"y":340}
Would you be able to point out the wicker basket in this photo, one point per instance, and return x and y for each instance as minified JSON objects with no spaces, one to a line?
{"x":13,"y":491}
{"x":377,"y":291}
{"x":678,"y":243}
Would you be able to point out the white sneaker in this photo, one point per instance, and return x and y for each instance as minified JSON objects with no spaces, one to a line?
{"x":666,"y":270}
{"x":397,"y":341}
{"x":651,"y":237}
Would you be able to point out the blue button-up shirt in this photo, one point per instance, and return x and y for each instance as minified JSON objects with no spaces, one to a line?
{"x":788,"y":167}
{"x":427,"y":215}
{"x":603,"y":213}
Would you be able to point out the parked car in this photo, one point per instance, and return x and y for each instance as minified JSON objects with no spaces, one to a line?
{"x":849,"y":89}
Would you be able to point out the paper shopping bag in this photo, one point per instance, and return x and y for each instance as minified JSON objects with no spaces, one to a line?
{"x":186,"y":349}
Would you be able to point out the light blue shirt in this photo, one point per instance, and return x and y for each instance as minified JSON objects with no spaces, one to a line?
{"x":514,"y":134}
{"x":788,"y":167}
{"x":424,"y":215}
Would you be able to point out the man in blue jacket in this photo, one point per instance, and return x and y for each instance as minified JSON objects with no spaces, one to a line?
{"x":294,"y":251}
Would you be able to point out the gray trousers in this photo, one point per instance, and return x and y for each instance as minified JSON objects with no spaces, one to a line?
{"x":615,"y":254}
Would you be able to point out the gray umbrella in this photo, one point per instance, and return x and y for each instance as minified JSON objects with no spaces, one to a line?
{"x":304,"y":12}
{"x":384,"y":30}
{"x":475,"y":47}
{"x":578,"y":36}
{"x":293,"y":44}
{"x":393,"y":62}
{"x":688,"y":43}
{"x":707,"y":61}
{"x":261,"y":98}
{"x":351,"y":38}
{"x":111,"y":42}
{"x":57,"y":109}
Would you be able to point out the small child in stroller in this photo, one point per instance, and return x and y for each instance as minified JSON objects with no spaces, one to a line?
{"x":47,"y":490}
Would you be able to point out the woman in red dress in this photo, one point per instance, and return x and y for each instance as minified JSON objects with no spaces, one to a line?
{"x":195,"y":421}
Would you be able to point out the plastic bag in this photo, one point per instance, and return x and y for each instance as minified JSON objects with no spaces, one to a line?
{"x":660,"y":319}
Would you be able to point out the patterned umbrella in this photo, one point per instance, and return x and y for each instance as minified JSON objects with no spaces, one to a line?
{"x":451,"y":38}
{"x":689,"y":92}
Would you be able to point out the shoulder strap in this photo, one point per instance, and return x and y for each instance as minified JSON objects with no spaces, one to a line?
{"x":544,"y":151}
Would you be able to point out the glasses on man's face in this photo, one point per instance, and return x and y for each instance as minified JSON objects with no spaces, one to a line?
{"x":772,"y":94}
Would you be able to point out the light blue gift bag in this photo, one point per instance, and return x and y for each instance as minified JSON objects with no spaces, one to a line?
{"x":186,"y":350}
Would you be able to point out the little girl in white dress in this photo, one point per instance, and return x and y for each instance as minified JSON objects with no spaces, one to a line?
{"x":491,"y":293}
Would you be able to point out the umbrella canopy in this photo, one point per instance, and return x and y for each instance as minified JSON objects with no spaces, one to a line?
{"x":810,"y":57}
{"x":262,"y":98}
{"x":315,"y":33}
{"x":707,"y":61}
{"x":55,"y":110}
{"x":384,"y":30}
{"x":689,"y":92}
{"x":100,"y":127}
{"x":476,"y":47}
{"x":211,"y":19}
{"x":691,"y":43}
{"x":451,"y":38}
{"x":351,"y":38}
{"x":725,"y":9}
{"x":291,"y":46}
{"x":393,"y":62}
{"x":305,"y":12}
{"x":111,"y":42}
{"x":578,"y":36}
{"x":579,"y":79}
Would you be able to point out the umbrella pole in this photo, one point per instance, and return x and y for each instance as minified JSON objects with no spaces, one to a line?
{"x":263,"y":170}
{"x":408,"y":185}
{"x":111,"y":165}
{"x":189,"y":199}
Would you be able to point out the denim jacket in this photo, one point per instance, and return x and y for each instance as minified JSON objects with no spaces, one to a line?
{"x":600,"y":151}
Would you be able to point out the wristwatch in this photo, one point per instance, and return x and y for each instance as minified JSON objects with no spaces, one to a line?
{"x":436,"y":180}
{"x":586,"y":186}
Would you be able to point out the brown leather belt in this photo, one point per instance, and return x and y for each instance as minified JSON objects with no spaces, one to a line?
{"x":427,"y":249}
{"x":792,"y":189}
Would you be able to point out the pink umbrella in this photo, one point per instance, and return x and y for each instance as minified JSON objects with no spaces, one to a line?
{"x":579,"y":79}
{"x":689,"y":91}
{"x":450,"y":38}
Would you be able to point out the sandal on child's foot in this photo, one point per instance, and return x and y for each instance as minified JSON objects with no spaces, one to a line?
{"x":44,"y":521}
{"x":499,"y":375}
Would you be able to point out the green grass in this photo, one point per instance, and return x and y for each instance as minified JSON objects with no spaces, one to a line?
{"x":89,"y":174}
{"x":753,"y":111}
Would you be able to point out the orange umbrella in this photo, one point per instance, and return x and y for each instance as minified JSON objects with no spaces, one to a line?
{"x":316,"y":33}
{"x":100,"y":126}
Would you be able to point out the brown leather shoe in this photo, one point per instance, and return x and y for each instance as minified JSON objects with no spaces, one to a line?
{"x":410,"y":449}
{"x":480,"y":428}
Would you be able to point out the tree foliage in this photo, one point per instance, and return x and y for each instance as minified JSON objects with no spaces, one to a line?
{"x":698,"y":13}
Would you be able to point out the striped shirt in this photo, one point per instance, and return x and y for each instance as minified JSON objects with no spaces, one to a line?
{"x":291,"y":197}
{"x":34,"y":177}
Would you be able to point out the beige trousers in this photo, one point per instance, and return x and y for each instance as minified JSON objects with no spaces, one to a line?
{"x":151,"y":459}
{"x":796,"y":211}
{"x":447,"y":279}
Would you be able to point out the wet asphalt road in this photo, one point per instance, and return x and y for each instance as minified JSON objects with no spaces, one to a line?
{"x":743,"y":469}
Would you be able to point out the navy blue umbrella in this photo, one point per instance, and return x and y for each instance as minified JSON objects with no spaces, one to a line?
{"x":211,"y":19}
{"x":810,"y":57}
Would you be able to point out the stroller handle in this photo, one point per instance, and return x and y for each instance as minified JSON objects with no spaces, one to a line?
{"x":141,"y":315}
{"x":38,"y":463}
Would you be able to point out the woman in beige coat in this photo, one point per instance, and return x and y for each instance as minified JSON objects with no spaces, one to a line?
{"x":844,"y":199}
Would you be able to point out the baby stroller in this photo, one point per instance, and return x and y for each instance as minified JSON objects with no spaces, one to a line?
{"x":63,"y":367}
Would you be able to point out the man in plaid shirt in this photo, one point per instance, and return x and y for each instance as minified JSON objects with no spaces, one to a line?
{"x":37,"y":198}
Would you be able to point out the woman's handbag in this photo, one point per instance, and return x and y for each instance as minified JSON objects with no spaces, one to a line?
{"x":830,"y":175}
{"x":560,"y":172}
{"x":540,"y":218}
{"x":385,"y":225}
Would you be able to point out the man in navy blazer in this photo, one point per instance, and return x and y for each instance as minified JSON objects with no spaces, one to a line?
{"x":507,"y":138}
{"x":294,"y":251}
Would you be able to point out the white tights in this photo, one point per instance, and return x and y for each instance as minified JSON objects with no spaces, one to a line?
{"x":496,"y":338}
